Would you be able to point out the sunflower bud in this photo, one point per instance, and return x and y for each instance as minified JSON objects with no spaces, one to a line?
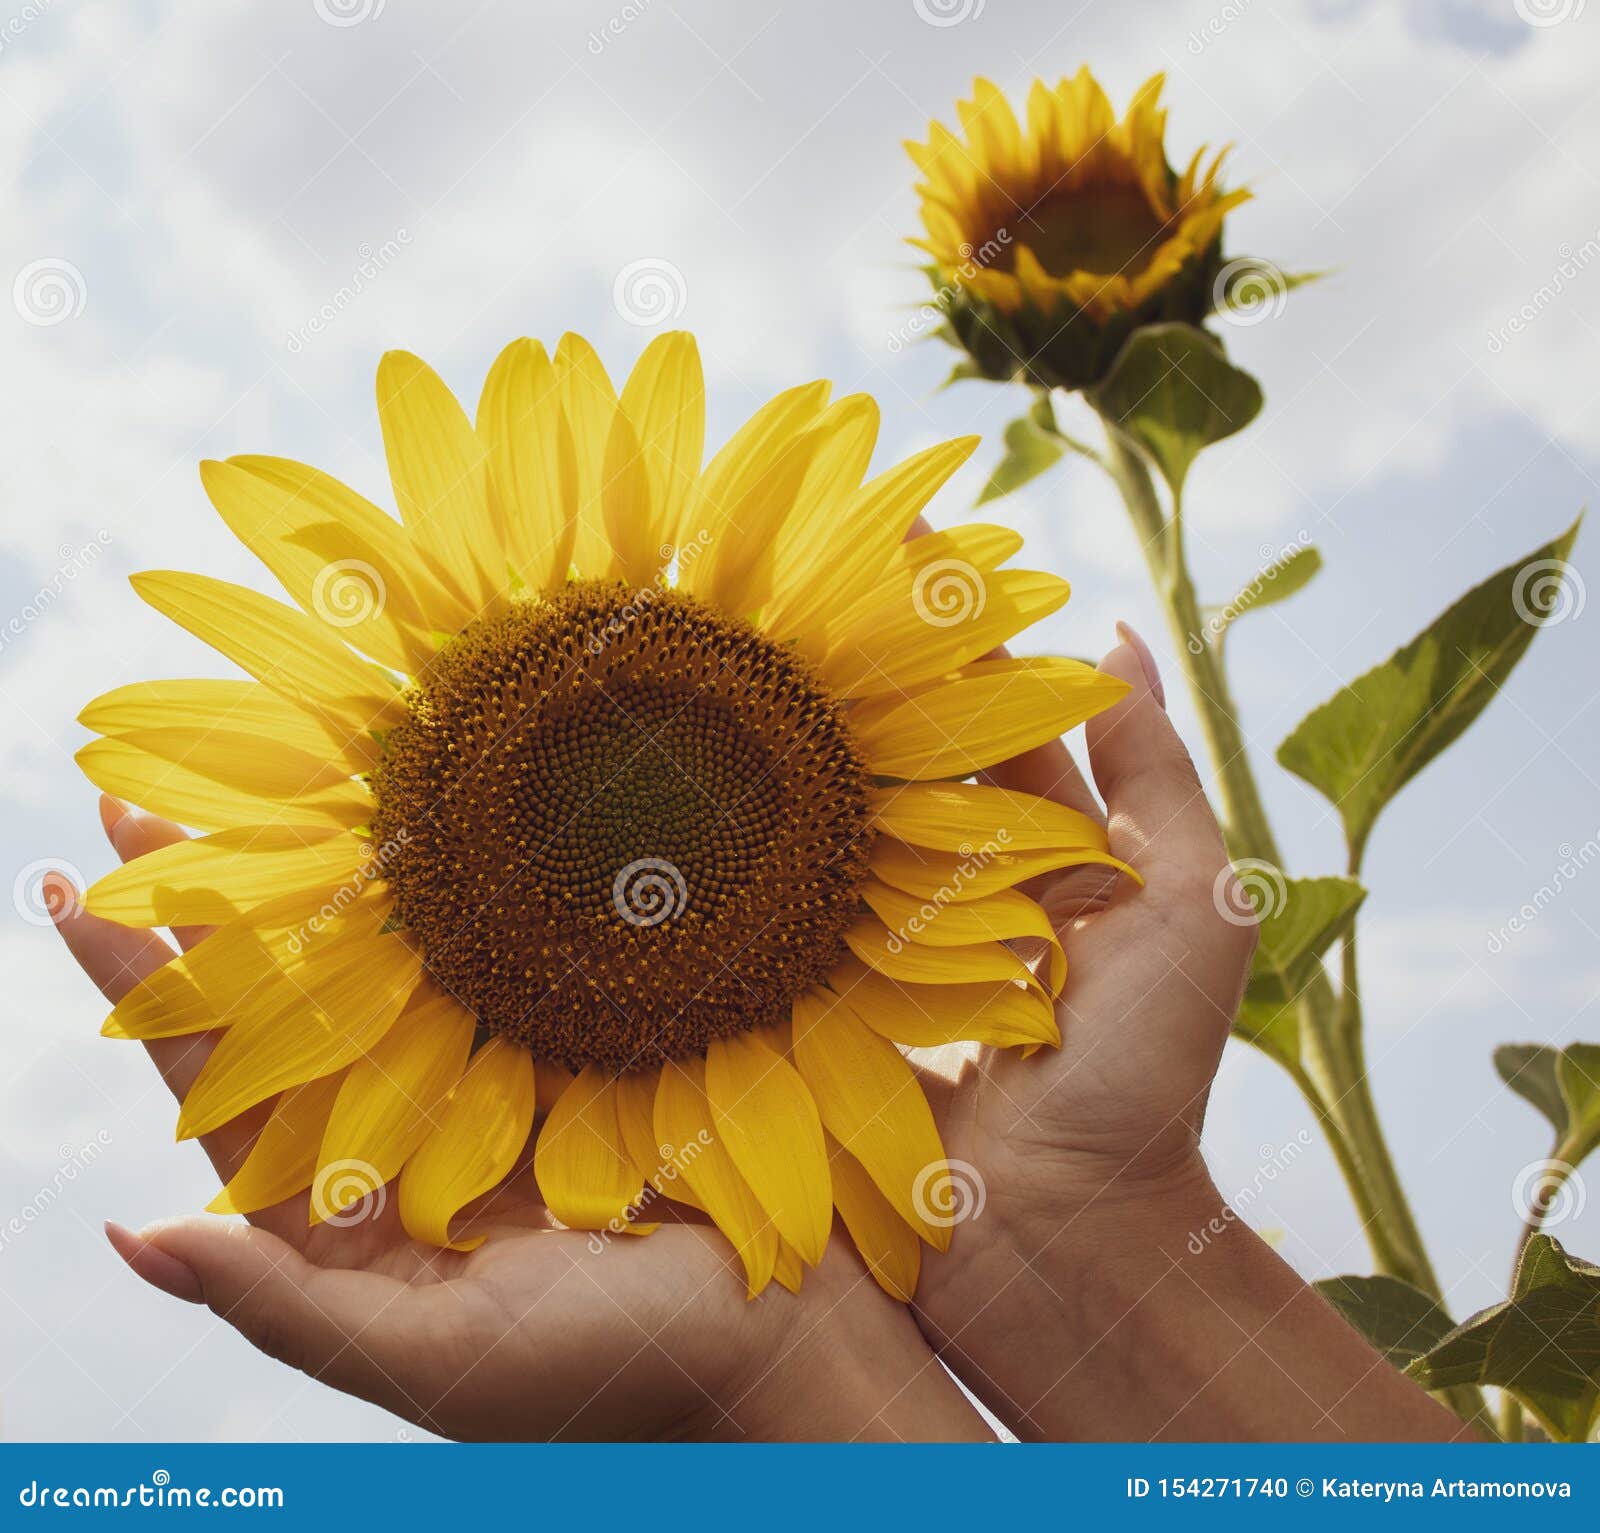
{"x":1052,"y":243}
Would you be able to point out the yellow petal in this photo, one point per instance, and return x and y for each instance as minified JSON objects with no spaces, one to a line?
{"x":349,"y":572}
{"x":963,"y":816}
{"x":871,"y":1103}
{"x":848,"y":430}
{"x":438,"y":466}
{"x":284,"y":1157}
{"x":945,"y":616}
{"x":955,"y":727}
{"x":533,"y":466}
{"x":293,"y":654}
{"x":214,"y":878}
{"x":480,"y":1133}
{"x":637,"y":550}
{"x":654,"y":1164}
{"x":244,"y":706}
{"x":585,"y":1174}
{"x":684,"y":1122}
{"x":893,"y":953}
{"x":1004,"y":916}
{"x":317,"y":1018}
{"x":886,"y":1243}
{"x":770,"y":1125}
{"x":1004,"y":1013}
{"x":938,"y":875}
{"x":590,"y":405}
{"x":664,"y":399}
{"x":391,"y":1100}
{"x":152,"y":769}
{"x":787,"y":1269}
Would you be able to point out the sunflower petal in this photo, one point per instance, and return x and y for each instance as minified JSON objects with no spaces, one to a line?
{"x":1003,"y":1013}
{"x":959,"y":816}
{"x":664,"y":400}
{"x":884,"y":1241}
{"x":283,"y":1159}
{"x":684,"y":1121}
{"x":480,"y":1133}
{"x":768,"y":1121}
{"x":871,"y":1103}
{"x":392,"y":1099}
{"x":585,"y":1174}
{"x":590,"y":405}
{"x":891,"y":953}
{"x":955,"y":876}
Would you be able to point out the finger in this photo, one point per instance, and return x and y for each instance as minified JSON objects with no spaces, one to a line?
{"x":357,"y":1331}
{"x":1158,"y":817}
{"x":132,"y":833}
{"x":114,"y":957}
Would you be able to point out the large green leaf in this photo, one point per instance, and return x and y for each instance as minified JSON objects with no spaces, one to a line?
{"x":1543,"y":1343}
{"x":1032,"y":446}
{"x":1402,"y":1322}
{"x":1174,"y":392}
{"x":1370,"y":739}
{"x":1564,"y":1084}
{"x":1300,"y":918}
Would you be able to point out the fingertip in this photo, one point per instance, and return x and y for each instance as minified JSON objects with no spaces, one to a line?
{"x":1147,"y":661}
{"x":160,"y":1269}
{"x":62,"y":898}
{"x":112,"y":812}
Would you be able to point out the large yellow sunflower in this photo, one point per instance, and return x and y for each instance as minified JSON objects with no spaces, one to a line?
{"x":1053,"y":241}
{"x":606,"y":786}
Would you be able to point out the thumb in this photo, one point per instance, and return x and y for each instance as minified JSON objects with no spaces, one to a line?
{"x":1157,"y":815}
{"x":353,"y":1330}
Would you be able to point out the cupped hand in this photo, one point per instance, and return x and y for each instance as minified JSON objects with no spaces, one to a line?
{"x":539,"y":1333}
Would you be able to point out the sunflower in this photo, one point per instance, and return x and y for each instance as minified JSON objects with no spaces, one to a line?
{"x":1053,"y":243}
{"x":605,"y":787}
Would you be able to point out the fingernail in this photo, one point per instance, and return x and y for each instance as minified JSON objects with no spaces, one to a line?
{"x":1147,"y":662}
{"x":60,"y":895}
{"x":157,"y":1267}
{"x":111,"y":812}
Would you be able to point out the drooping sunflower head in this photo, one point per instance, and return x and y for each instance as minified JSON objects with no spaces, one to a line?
{"x":604,"y":780}
{"x":1054,"y":240}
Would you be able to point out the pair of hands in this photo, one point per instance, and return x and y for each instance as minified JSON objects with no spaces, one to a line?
{"x":1055,"y":1306}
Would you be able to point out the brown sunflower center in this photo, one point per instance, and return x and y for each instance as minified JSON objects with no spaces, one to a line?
{"x":620,"y":825}
{"x":1101,"y":229}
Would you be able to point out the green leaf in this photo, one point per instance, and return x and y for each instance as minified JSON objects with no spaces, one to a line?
{"x":1402,"y":1322}
{"x":1370,"y":739}
{"x":1542,"y":1344}
{"x":1300,"y":918}
{"x":1277,"y":582}
{"x":1529,"y":1069}
{"x":1031,"y":448}
{"x":1172,"y":390}
{"x":1255,"y":288}
{"x":1564,"y":1084}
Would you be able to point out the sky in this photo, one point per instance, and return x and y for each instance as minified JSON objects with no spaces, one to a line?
{"x":219,"y":215}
